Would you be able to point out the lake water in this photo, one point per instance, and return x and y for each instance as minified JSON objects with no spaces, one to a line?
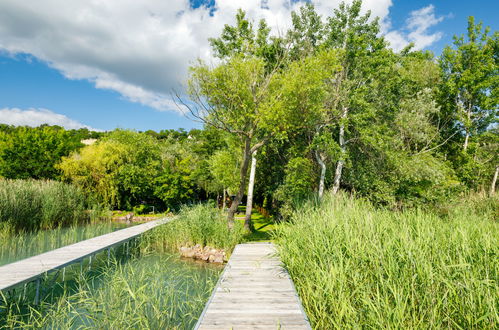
{"x":24,"y":245}
{"x":143,"y":291}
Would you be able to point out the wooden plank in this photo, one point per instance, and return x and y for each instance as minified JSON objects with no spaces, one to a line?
{"x":254,"y":292}
{"x":29,"y":269}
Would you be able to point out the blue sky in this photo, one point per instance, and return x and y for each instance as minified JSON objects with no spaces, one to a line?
{"x":116,"y":66}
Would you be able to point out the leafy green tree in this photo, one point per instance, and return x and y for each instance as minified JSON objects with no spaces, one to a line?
{"x":244,"y":43}
{"x":470,"y":81}
{"x":118,"y":170}
{"x":307,"y":33}
{"x":224,"y":169}
{"x":27,"y":152}
{"x":174,"y":185}
{"x":304,"y":88}
{"x":358,"y":38}
{"x":298,"y":184}
{"x":237,"y":97}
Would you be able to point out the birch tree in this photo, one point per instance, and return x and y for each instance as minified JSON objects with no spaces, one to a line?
{"x":470,"y":75}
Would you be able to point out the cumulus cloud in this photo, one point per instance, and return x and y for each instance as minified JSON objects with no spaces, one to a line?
{"x":417,"y":30}
{"x":141,"y":49}
{"x":37,"y":117}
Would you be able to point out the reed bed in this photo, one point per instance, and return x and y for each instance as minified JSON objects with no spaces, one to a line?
{"x":17,"y":246}
{"x":199,"y":224}
{"x":359,"y":267}
{"x":155,"y":291}
{"x":29,"y":205}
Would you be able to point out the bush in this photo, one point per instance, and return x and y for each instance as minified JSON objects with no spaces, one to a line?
{"x":27,"y":205}
{"x":200,"y":224}
{"x":358,"y":267}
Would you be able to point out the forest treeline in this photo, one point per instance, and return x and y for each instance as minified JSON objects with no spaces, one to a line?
{"x":325,"y":106}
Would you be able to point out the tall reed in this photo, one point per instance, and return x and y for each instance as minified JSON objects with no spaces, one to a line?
{"x":358,"y":267}
{"x":27,"y":205}
{"x":17,"y":246}
{"x":150,"y":292}
{"x":199,"y":224}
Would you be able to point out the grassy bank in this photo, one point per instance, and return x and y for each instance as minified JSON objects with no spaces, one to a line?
{"x":355,"y":267}
{"x":200,"y":224}
{"x":28,"y":205}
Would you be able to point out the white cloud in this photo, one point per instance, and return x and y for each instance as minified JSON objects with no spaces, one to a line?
{"x":141,"y":49}
{"x":37,"y":117}
{"x":416,"y":30}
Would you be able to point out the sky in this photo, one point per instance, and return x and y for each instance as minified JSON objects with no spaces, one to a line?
{"x":116,"y":63}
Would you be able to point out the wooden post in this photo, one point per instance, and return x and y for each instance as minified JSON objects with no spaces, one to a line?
{"x":37,"y":293}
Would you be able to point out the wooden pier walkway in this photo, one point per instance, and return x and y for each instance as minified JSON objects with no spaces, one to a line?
{"x":29,"y":269}
{"x":254,"y":292}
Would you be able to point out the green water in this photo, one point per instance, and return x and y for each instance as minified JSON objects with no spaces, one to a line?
{"x":154,"y":291}
{"x":24,"y":245}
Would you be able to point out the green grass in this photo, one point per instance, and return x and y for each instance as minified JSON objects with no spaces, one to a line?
{"x":263,"y":226}
{"x":29,"y":205}
{"x":358,"y":267}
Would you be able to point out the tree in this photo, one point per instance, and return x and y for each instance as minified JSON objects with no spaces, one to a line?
{"x":470,"y":81}
{"x":358,"y":38}
{"x":118,"y":170}
{"x":241,"y":41}
{"x":304,"y":88}
{"x":237,"y":97}
{"x":224,"y":166}
{"x":27,"y":152}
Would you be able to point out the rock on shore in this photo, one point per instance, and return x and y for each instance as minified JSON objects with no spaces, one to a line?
{"x":207,"y":253}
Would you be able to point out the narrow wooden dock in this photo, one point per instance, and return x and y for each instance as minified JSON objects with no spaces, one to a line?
{"x":29,"y":269}
{"x":254,"y":292}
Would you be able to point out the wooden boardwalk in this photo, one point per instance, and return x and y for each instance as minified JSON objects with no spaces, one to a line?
{"x":29,"y":269}
{"x":254,"y":292}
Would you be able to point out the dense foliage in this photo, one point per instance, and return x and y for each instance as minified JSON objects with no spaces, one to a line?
{"x":355,"y":266}
{"x":27,"y":152}
{"x":125,"y":169}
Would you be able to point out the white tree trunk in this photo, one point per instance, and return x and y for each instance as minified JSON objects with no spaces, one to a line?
{"x":467,"y":126}
{"x":323,"y":173}
{"x":251,"y":184}
{"x":494,"y":181}
{"x":341,"y":161}
{"x":466,"y":139}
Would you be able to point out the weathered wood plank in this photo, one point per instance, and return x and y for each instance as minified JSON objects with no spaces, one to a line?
{"x":28,"y":269}
{"x":254,"y":292}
